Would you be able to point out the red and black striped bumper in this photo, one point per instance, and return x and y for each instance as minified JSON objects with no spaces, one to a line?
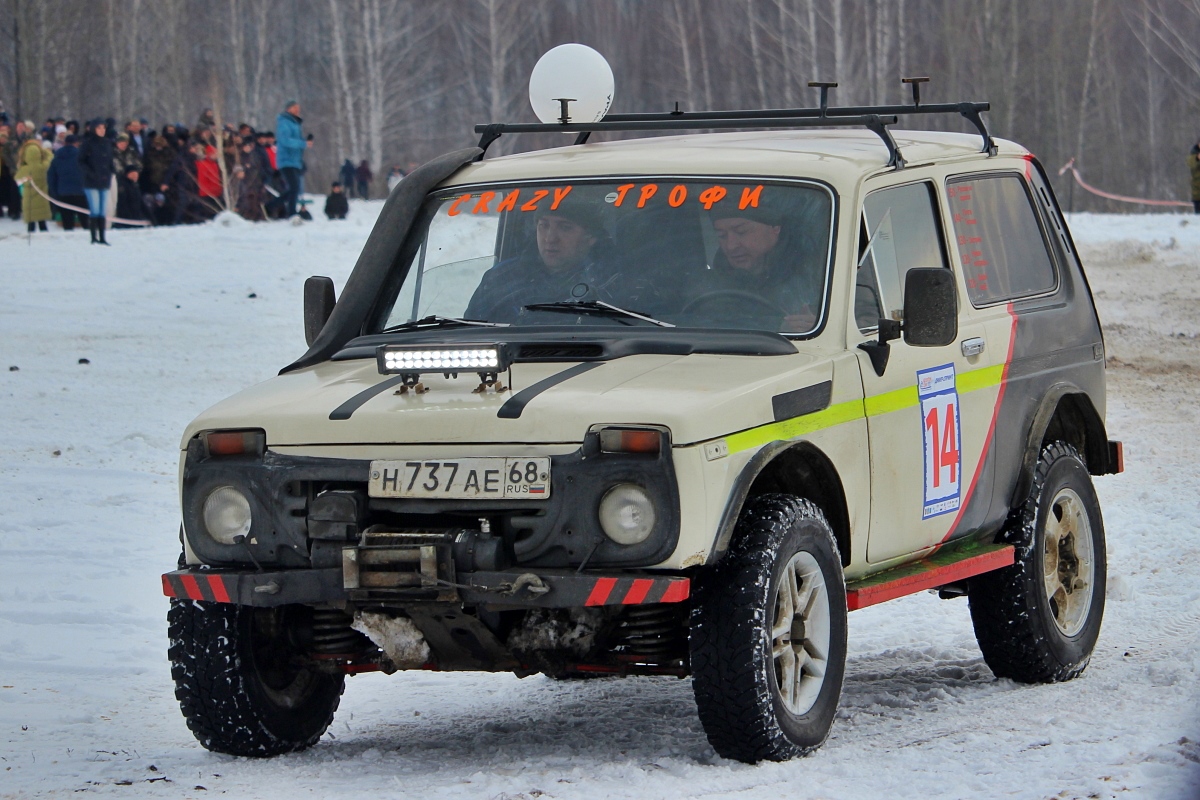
{"x":569,"y":589}
{"x":263,"y":589}
{"x":563,"y":589}
{"x":636,"y":591}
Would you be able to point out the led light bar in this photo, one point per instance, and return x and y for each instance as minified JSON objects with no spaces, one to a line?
{"x":414,"y":360}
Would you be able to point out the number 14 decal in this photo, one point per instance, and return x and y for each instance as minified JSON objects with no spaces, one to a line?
{"x":944,"y":449}
{"x":942,"y":439}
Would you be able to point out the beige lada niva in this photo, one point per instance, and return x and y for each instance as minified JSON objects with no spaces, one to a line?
{"x":660,"y":406}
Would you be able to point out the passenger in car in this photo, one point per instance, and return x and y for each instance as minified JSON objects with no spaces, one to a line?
{"x":569,"y":263}
{"x":760,"y":276}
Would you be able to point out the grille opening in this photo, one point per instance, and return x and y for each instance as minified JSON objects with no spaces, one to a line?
{"x":559,"y":352}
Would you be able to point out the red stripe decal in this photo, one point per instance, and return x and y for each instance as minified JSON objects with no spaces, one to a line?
{"x":987,"y":442}
{"x":167,"y":588}
{"x":637,"y":593}
{"x":191,"y":588}
{"x":218,"y":589}
{"x":601,"y":591}
{"x":677,"y":591}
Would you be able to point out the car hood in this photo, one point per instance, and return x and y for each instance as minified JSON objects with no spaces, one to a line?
{"x":698,"y":397}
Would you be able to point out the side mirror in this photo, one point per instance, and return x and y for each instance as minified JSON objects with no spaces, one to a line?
{"x":319,"y":300}
{"x":930,"y":307}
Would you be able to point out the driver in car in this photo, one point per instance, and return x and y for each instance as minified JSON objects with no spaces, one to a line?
{"x":566,"y":265}
{"x":758,"y":276}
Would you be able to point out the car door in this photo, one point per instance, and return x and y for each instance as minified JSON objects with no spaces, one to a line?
{"x":927,"y":429}
{"x":1039,"y":336}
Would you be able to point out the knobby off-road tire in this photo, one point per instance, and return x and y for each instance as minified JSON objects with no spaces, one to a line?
{"x":238,"y":683}
{"x":775,"y":604}
{"x":1037,"y":621}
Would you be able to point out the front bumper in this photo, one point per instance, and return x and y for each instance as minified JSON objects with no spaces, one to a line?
{"x":545,"y":588}
{"x":288,"y":531}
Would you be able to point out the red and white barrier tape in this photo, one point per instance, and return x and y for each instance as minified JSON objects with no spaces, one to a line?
{"x":61,"y":204}
{"x":1070,"y":165}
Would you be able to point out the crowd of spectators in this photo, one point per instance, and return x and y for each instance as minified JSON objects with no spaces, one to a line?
{"x":174,"y":175}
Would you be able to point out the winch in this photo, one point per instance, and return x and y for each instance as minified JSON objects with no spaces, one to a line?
{"x":390,"y":564}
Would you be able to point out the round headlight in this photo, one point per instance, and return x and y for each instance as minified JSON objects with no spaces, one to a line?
{"x":226,"y":514}
{"x":627,"y":514}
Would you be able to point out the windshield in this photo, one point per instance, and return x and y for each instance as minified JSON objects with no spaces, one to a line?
{"x":707,"y":253}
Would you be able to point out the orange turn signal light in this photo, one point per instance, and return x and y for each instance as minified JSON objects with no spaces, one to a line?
{"x":234,"y":443}
{"x":630,"y":440}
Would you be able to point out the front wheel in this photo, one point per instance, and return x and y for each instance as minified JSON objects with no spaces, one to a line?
{"x":1038,"y":620}
{"x":241,"y":681}
{"x":768,"y":634}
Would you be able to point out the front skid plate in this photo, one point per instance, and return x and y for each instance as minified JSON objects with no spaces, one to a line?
{"x":543,"y":589}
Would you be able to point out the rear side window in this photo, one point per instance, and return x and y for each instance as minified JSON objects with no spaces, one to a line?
{"x":900,"y":231}
{"x":1000,"y":243}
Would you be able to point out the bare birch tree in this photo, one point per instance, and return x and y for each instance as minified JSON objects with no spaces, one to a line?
{"x":346,"y":127}
{"x":1089,"y":64}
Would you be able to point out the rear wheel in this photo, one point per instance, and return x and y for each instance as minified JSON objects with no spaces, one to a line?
{"x":241,"y":682}
{"x":1038,"y":620}
{"x":768,"y":634}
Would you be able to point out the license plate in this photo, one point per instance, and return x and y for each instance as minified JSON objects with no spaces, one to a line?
{"x":462,"y":479}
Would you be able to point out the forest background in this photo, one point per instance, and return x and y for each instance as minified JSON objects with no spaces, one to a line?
{"x":1112,"y":83}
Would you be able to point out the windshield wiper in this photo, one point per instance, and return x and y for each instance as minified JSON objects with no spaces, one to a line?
{"x":435,"y":321}
{"x":598,"y":307}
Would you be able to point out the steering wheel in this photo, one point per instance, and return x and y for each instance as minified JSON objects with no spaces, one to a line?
{"x":739,"y":300}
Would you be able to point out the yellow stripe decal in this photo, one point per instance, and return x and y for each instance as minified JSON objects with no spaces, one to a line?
{"x":984,"y":378}
{"x":891,"y":401}
{"x":791,"y":428}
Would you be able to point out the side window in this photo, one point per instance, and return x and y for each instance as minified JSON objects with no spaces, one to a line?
{"x":1000,"y":243}
{"x":900,"y":231}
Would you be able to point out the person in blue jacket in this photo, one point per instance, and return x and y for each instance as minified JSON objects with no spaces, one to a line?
{"x":289,"y":154}
{"x":65,"y":181}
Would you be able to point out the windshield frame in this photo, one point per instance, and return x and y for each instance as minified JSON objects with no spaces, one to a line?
{"x":418,"y":231}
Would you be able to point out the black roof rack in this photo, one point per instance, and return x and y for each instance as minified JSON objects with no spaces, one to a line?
{"x":874,"y":118}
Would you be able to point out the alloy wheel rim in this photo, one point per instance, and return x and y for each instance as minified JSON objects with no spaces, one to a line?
{"x":1068,"y":562}
{"x":800,"y":633}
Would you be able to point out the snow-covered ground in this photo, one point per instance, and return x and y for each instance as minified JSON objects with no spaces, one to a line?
{"x":172,"y":320}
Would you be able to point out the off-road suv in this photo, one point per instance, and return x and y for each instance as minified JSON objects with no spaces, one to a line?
{"x":668,"y":406}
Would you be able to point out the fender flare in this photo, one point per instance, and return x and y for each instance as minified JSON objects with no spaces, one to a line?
{"x":764,"y":458}
{"x":1096,"y":453}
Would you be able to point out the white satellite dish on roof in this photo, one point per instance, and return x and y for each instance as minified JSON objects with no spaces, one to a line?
{"x":576,"y":74}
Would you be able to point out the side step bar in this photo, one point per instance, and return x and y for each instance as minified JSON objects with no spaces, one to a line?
{"x":948,"y":565}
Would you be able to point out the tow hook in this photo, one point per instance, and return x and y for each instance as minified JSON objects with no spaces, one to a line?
{"x":526,"y":581}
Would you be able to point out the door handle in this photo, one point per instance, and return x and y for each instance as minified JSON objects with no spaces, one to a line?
{"x":973,"y":346}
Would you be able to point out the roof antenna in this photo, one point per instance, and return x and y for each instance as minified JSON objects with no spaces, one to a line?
{"x":824,"y":87}
{"x":916,"y":88}
{"x":678,"y":110}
